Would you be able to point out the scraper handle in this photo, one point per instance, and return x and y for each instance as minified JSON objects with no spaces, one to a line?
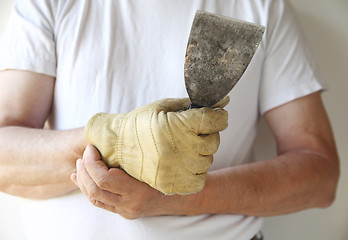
{"x":193,"y":105}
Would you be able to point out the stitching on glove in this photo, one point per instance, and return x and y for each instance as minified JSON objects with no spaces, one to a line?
{"x":156,"y":146}
{"x":177,"y":155}
{"x":141,"y":149}
{"x":200,"y":124}
{"x":120,"y":143}
{"x":90,"y":124}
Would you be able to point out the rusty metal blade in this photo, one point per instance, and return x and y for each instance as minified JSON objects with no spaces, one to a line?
{"x":218,"y":52}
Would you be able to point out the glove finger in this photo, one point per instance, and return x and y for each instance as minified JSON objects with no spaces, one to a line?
{"x":197,"y":165}
{"x":209,"y":144}
{"x":205,"y":120}
{"x":189,"y":178}
{"x":222,"y":103}
{"x":170,"y":104}
{"x":188,"y":183}
{"x":165,"y":105}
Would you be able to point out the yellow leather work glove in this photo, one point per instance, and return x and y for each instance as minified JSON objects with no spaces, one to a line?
{"x":162,"y":144}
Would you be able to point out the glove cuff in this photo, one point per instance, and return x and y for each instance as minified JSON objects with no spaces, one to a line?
{"x":102,"y":131}
{"x":89,"y":128}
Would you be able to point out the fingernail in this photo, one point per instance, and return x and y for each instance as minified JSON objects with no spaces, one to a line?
{"x":78,"y":163}
{"x":86,"y":151}
{"x":73,"y":178}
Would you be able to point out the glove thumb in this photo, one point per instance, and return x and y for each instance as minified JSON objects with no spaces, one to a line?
{"x":222,"y":103}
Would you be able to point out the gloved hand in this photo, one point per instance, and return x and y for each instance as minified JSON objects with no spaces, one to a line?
{"x":162,"y":144}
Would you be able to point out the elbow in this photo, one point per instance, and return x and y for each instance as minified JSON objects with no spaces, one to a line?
{"x":19,"y":121}
{"x":328,"y":199}
{"x":329,"y":188}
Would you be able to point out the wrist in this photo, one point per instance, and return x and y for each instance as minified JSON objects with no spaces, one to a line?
{"x":198,"y":203}
{"x":187,"y":205}
{"x":80,"y":142}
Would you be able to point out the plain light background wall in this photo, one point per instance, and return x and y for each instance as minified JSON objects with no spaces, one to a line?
{"x":325,"y":24}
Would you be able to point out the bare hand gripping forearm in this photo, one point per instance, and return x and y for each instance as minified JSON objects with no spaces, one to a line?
{"x":163,"y":144}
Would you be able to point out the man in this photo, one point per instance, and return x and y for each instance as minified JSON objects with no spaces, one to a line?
{"x":67,"y":60}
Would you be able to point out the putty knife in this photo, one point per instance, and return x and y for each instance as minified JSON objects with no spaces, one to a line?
{"x":218,"y":52}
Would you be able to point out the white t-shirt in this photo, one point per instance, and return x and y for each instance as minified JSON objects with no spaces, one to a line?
{"x":113,"y":56}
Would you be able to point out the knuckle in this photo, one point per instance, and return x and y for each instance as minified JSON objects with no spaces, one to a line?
{"x":93,"y":192}
{"x":127,"y":217}
{"x":95,"y":202}
{"x":133,"y":212}
{"x":102,"y":183}
{"x":130,"y":217}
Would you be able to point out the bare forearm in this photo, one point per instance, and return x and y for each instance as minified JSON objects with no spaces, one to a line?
{"x":291,"y":182}
{"x":37,"y":163}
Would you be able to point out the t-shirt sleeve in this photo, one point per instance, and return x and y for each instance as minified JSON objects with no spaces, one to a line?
{"x":28,"y":39}
{"x":290,"y":71}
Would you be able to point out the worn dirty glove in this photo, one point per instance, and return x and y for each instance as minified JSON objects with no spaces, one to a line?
{"x":162,"y":144}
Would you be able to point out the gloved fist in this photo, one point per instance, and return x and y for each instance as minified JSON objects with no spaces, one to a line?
{"x":162,"y":144}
